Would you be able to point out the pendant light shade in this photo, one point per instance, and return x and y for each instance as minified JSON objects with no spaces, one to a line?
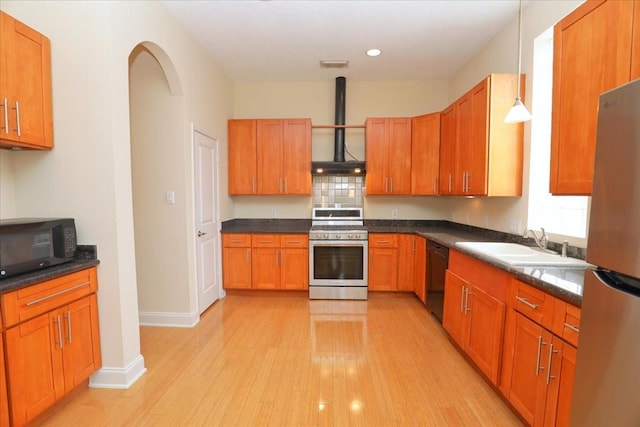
{"x":518,"y":112}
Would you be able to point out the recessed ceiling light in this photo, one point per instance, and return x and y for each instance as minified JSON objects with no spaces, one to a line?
{"x":374,"y":52}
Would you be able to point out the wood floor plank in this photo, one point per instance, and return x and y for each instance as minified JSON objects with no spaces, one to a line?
{"x":288,"y":361}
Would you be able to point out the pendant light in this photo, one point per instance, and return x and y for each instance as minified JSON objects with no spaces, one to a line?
{"x":518,"y":113}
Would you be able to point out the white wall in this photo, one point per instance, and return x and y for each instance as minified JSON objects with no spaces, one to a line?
{"x":88,"y":173}
{"x":316,"y":100}
{"x":7,"y":193}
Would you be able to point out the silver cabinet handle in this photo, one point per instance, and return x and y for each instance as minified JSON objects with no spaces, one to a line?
{"x":466,"y":302}
{"x":391,"y":184}
{"x":286,"y":185}
{"x":248,"y":256}
{"x":200,"y":233}
{"x":551,"y":352}
{"x":60,"y":342}
{"x":449,"y":183}
{"x":538,"y":367}
{"x":572,"y":327}
{"x":18,"y":117}
{"x":68,"y":316}
{"x":462,"y":299}
{"x":6,"y":116}
{"x":55,"y":294}
{"x":253,"y":185}
{"x":527,"y":303}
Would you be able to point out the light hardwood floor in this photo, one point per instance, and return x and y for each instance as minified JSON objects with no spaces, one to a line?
{"x":288,"y":361}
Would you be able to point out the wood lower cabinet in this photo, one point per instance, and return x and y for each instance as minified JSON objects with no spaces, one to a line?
{"x":25,"y":86}
{"x":383,"y":262}
{"x":4,"y":401}
{"x":265,"y":261}
{"x":474,"y":311}
{"x":388,"y":154}
{"x":425,"y":154}
{"x":538,"y":365}
{"x":595,"y":49}
{"x":52,"y":341}
{"x":236,"y":261}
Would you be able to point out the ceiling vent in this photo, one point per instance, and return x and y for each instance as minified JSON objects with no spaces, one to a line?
{"x":334,"y":63}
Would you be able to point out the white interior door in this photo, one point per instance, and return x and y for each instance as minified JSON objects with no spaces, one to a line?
{"x":207,"y":222}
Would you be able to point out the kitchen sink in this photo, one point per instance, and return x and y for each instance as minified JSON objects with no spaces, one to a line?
{"x":520,"y":255}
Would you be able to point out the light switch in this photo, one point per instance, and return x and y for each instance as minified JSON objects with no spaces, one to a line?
{"x":171,"y":197}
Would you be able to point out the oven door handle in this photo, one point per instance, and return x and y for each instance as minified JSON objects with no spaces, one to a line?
{"x":313,"y":243}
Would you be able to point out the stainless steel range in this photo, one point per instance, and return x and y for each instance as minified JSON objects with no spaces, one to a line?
{"x":338,"y":254}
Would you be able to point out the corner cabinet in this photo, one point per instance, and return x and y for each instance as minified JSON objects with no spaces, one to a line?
{"x":480,"y":155}
{"x":52,"y":341}
{"x":25,"y":86}
{"x":269,"y":157}
{"x":595,"y":49}
{"x":425,"y":154}
{"x":388,"y":154}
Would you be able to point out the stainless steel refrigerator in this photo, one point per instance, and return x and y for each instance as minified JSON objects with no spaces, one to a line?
{"x":607,"y":378}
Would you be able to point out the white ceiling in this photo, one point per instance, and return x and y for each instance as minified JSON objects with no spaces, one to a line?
{"x":285,"y":40}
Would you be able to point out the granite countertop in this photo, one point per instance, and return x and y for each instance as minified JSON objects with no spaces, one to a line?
{"x":85,"y":257}
{"x":561,"y":282}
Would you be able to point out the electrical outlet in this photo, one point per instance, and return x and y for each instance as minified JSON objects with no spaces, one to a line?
{"x":170,"y":197}
{"x":274,"y":213}
{"x":394,"y":213}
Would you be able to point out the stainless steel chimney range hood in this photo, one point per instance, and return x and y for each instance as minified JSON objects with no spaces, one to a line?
{"x":339,"y":166}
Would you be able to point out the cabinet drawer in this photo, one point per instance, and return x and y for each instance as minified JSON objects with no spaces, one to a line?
{"x":265,"y":240}
{"x":537,"y":305}
{"x":294,"y":241}
{"x":29,"y":302}
{"x":566,"y":321}
{"x":236,"y":240}
{"x":377,"y":240}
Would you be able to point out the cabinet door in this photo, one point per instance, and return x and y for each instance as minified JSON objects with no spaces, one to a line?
{"x":265,"y":266}
{"x":81,"y":337}
{"x":270,"y":140}
{"x":34,"y":365}
{"x":236,"y":268}
{"x":295,"y":268}
{"x":453,"y":318}
{"x":591,"y":55}
{"x":242,"y":157}
{"x":420,"y":269}
{"x":635,"y":46}
{"x":406,"y":262}
{"x":297,"y":157}
{"x":26,"y":83}
{"x":376,"y":155}
{"x":447,"y":150}
{"x":560,"y":384}
{"x":383,"y":269}
{"x":4,"y":403}
{"x":399,"y":152}
{"x":425,"y":154}
{"x":524,"y":364}
{"x":485,"y":331}
{"x":476,"y":179}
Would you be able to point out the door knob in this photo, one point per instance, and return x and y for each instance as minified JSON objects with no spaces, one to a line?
{"x":200,"y":233}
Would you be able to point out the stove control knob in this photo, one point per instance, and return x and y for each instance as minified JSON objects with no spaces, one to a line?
{"x":338,"y":236}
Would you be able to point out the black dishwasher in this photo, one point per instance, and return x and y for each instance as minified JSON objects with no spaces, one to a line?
{"x":437,"y":263}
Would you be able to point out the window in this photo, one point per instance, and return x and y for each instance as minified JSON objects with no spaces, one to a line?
{"x":564,"y":215}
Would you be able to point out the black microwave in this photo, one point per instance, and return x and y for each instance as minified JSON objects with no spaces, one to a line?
{"x":29,"y":244}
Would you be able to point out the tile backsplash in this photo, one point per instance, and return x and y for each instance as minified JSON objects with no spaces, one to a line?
{"x":337,"y":191}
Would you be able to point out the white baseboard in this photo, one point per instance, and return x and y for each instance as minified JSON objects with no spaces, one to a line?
{"x":118,"y":378}
{"x":179,"y":320}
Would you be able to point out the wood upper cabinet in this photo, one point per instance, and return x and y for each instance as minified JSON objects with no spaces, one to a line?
{"x":270,"y":156}
{"x":284,"y":156}
{"x":592,"y":53}
{"x":447,"y":172}
{"x":388,"y":154}
{"x":480,"y":155}
{"x":51,"y":350}
{"x":425,"y":154}
{"x":25,"y":86}
{"x":243,"y":176}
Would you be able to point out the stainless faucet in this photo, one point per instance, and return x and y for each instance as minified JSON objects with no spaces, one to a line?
{"x":540,"y":241}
